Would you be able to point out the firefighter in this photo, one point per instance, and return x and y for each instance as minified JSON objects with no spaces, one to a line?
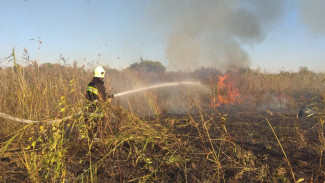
{"x":96,"y":89}
{"x":95,"y":95}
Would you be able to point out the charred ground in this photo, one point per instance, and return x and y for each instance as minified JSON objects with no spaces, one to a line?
{"x":232,"y":146}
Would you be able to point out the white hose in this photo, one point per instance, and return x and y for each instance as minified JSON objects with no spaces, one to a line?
{"x":20,"y":120}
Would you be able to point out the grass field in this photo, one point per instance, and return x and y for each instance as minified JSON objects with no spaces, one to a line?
{"x":239,"y":126}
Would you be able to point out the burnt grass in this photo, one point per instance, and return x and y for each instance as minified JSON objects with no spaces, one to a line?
{"x":246,"y":148}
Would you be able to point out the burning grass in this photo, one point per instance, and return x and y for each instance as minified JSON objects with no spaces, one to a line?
{"x":242,"y":127}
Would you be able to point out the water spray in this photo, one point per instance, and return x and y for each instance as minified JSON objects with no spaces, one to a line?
{"x":157,"y":86}
{"x":12,"y":118}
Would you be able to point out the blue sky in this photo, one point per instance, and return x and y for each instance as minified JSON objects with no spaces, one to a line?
{"x":118,"y":33}
{"x":290,"y":45}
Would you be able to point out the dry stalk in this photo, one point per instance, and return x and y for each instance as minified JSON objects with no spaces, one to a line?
{"x":285,"y":155}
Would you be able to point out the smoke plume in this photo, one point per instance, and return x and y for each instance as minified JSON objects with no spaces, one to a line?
{"x":211,"y":32}
{"x":312,"y":13}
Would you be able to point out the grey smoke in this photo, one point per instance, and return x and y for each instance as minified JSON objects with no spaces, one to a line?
{"x":312,"y":14}
{"x":211,"y":32}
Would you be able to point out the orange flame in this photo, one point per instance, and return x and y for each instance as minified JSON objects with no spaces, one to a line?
{"x":225,"y":92}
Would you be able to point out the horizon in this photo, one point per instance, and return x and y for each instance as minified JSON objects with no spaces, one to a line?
{"x":90,"y":67}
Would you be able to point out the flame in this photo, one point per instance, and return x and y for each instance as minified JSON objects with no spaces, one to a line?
{"x":225,"y":92}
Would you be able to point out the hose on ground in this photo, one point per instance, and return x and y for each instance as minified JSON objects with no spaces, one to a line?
{"x":20,"y":120}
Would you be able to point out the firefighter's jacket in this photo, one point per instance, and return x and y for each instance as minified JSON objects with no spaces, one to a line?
{"x":96,"y":90}
{"x":95,"y":93}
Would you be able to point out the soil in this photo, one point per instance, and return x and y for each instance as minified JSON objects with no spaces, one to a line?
{"x":249,"y":152}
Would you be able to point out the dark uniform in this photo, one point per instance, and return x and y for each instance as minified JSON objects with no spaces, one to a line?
{"x":95,"y":93}
{"x":96,"y":90}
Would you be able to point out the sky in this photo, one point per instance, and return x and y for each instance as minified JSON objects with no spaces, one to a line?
{"x":269,"y":34}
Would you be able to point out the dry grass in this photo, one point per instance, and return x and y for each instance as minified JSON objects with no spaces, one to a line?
{"x":197,"y":147}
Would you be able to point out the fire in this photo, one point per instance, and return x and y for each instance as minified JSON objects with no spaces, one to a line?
{"x":225,"y":92}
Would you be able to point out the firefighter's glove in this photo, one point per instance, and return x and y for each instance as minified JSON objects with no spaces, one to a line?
{"x":111,"y":96}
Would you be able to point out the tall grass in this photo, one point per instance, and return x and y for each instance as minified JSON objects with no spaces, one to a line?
{"x":196,"y":147}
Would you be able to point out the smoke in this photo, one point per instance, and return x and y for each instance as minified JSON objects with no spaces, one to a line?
{"x":312,"y":14}
{"x":211,"y":32}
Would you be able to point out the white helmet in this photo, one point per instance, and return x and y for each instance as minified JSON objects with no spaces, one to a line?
{"x":99,"y":72}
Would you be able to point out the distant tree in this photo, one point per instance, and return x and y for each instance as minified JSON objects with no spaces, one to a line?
{"x":205,"y":74}
{"x":244,"y":70}
{"x":304,"y":70}
{"x":148,"y":66}
{"x":47,"y":65}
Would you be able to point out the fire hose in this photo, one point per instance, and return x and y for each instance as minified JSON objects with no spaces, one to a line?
{"x":13,"y":118}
